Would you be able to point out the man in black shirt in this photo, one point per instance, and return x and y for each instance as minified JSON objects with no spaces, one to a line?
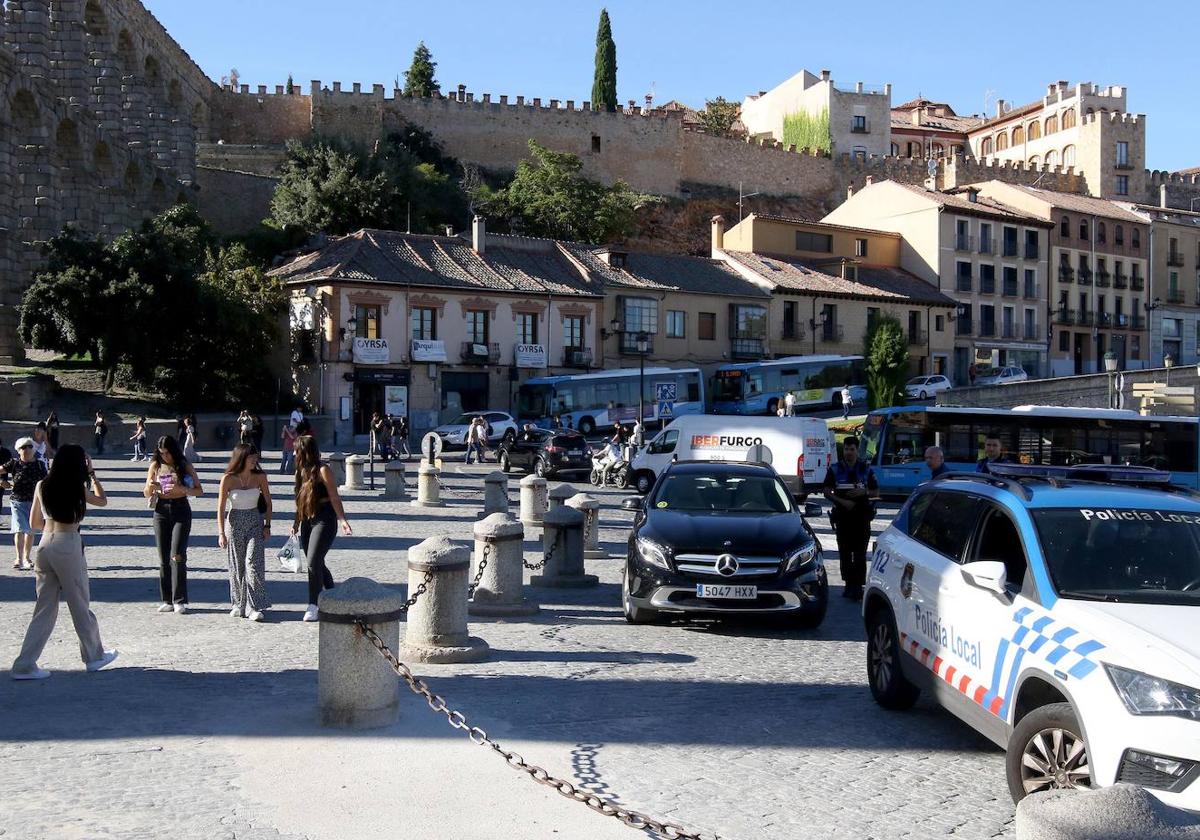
{"x":22,"y":474}
{"x":851,"y":487}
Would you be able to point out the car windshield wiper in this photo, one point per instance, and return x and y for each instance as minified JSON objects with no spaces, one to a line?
{"x":1107,"y":597}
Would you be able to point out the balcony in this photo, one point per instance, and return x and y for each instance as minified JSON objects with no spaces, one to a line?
{"x":1102,"y":279}
{"x":1064,"y":316}
{"x":1120,"y":281}
{"x":1120,"y":320}
{"x":1123,"y":166}
{"x":1009,"y":289}
{"x":1137,"y":322}
{"x":858,"y":129}
{"x":963,"y":326}
{"x":1175,"y":259}
{"x":1104,"y":319}
{"x":480,"y":353}
{"x":987,"y":246}
{"x":917,"y":338}
{"x":1086,"y":318}
{"x":747,"y":348}
{"x":963,"y":283}
{"x":964,"y":242}
{"x":987,"y":329}
{"x":832,"y":333}
{"x":1085,"y":277}
{"x":1175,"y":296}
{"x":577,"y":357}
{"x":1137,"y":283}
{"x":1066,"y":274}
{"x":792,"y":331}
{"x":1032,"y":333}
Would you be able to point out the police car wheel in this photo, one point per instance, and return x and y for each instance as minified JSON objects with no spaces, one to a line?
{"x":634,"y":615}
{"x":1047,"y":752}
{"x":888,"y":684}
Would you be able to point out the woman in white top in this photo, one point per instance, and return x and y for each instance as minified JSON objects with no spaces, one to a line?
{"x":244,"y":530}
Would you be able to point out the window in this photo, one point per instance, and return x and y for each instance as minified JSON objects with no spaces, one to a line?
{"x":1068,"y":118}
{"x":595,"y":144}
{"x":939,"y":323}
{"x":1010,"y":281}
{"x":640,"y":315}
{"x":1083,"y":230}
{"x":987,"y":279}
{"x":822,"y":243}
{"x":859,"y":152}
{"x":1035,"y":130}
{"x":1122,"y":153}
{"x":477,"y":326}
{"x":749,"y":321}
{"x":1030,"y":324}
{"x":945,"y":523}
{"x":706,"y":328}
{"x":527,"y":328}
{"x":1068,"y":156}
{"x":829,"y":317}
{"x":985,"y":238}
{"x":1135,"y":242}
{"x":1064,"y":228}
{"x":1000,"y":541}
{"x":1001,"y":141}
{"x":1030,"y":283}
{"x":424,"y":323}
{"x":676,"y":318}
{"x":860,"y":247}
{"x":1052,"y":157}
{"x":1119,"y":236}
{"x":366,"y":320}
{"x":860,"y":124}
{"x":963,"y":283}
{"x":872,"y":317}
{"x":1064,"y":341}
{"x":1051,"y":125}
{"x":1122,"y":185}
{"x":1032,"y":252}
{"x":987,"y":319}
{"x":572,"y":326}
{"x":962,"y":236}
{"x":1010,"y":241}
{"x":1018,"y":136}
{"x":1034,"y":161}
{"x":985,"y":148}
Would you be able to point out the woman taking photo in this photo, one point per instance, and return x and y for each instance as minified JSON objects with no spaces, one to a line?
{"x":318,"y":512}
{"x":245,"y":531}
{"x":170,"y":480}
{"x":59,"y":504}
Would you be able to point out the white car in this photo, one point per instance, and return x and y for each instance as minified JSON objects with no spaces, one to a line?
{"x":501,"y":425}
{"x":924,"y":387}
{"x":1002,"y":376}
{"x":1057,"y":612}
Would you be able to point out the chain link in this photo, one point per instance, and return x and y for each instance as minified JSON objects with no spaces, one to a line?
{"x":478,"y":736}
{"x":421,"y":589}
{"x":483,"y":563}
{"x":533,"y":567}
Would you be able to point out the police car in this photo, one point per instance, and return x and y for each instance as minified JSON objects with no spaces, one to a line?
{"x":1057,"y":612}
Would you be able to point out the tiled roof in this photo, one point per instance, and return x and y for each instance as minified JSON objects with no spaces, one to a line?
{"x":390,"y":257}
{"x":790,"y":220}
{"x":1012,"y":113}
{"x":960,"y":125}
{"x":1075,"y":203}
{"x":888,"y":285}
{"x":666,"y":272}
{"x":982,"y":206}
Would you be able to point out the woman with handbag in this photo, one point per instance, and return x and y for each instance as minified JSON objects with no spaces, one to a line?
{"x":170,"y":481}
{"x":318,"y":512}
{"x":244,"y":531}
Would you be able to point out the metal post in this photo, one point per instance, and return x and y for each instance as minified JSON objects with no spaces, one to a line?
{"x":641,"y":386}
{"x":371,"y":463}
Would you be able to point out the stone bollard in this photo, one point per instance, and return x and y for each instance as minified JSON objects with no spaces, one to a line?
{"x":495,"y":493}
{"x":533,"y":501}
{"x":500,"y":586}
{"x":429,"y":492}
{"x":436,"y":630}
{"x":393,"y":481}
{"x":558,"y":496}
{"x":1119,"y":812}
{"x":355,"y":479}
{"x":337,"y":464}
{"x":355,"y":685}
{"x":590,"y":508}
{"x":562,"y":544}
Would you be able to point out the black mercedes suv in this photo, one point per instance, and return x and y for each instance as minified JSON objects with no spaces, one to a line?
{"x":716,"y":537}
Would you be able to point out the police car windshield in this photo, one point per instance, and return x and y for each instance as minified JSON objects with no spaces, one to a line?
{"x":1139,"y":556}
{"x":723,"y":494}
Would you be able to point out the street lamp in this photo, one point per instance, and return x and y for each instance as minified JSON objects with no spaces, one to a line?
{"x":1110,"y":367}
{"x":643,"y":344}
{"x":1168,"y":363}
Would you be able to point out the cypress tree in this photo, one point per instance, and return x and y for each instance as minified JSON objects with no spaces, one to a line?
{"x":290,"y":85}
{"x":418,"y":79}
{"x":604,"y":84}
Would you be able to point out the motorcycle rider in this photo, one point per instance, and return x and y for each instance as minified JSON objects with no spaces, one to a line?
{"x":611,"y":457}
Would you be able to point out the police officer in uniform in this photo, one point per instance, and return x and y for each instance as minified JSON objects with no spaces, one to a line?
{"x":993,"y":453}
{"x":850,"y":486}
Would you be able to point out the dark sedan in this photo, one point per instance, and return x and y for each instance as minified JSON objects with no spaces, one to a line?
{"x":546,"y":453}
{"x":722,"y":538}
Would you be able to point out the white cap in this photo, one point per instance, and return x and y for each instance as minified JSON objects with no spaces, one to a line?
{"x":23,"y":442}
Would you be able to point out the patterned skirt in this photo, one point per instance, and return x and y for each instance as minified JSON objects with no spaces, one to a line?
{"x":247,"y":560}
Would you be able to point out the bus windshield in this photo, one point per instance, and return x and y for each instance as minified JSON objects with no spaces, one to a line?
{"x":533,"y":401}
{"x":728,"y":385}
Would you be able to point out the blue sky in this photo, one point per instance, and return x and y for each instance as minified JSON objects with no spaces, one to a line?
{"x":699,"y":49}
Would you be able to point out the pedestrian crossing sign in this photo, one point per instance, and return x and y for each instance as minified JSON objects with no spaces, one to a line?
{"x":666,"y":408}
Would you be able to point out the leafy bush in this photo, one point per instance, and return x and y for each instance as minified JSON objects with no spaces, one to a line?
{"x":807,"y":131}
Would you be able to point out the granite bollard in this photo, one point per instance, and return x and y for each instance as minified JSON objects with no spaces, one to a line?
{"x":533,"y":501}
{"x":355,"y":685}
{"x":562,"y":542}
{"x":337,"y":465}
{"x":558,"y":495}
{"x":590,"y":508}
{"x":499,"y":592}
{"x":436,"y":630}
{"x":355,"y":479}
{"x":429,"y":490}
{"x":495,"y":493}
{"x":393,"y":481}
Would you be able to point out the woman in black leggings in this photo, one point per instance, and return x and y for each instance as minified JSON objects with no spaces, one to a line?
{"x":170,"y":481}
{"x":318,"y":512}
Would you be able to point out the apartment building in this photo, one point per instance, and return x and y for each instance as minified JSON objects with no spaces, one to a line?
{"x":990,"y":258}
{"x":1099,"y":261}
{"x":922,"y":128}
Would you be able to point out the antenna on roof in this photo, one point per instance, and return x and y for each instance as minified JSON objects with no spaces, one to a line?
{"x":650,"y":97}
{"x":989,"y":96}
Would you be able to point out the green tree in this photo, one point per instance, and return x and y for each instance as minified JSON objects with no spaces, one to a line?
{"x":886,"y":351}
{"x":719,"y":115}
{"x":418,"y":79}
{"x":549,"y":196}
{"x":604,"y":82}
{"x":290,"y":85}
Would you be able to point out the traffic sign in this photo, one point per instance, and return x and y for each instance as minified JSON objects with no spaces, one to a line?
{"x":665,"y":391}
{"x":666,"y":408}
{"x":431,"y":446}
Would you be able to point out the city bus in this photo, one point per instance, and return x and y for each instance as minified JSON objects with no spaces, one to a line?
{"x":894,"y":440}
{"x":759,"y":387}
{"x":597,"y":401}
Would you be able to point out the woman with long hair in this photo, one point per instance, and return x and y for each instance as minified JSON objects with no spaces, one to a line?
{"x":60,"y":502}
{"x":244,"y":530}
{"x":189,"y":439}
{"x":170,"y":480}
{"x":139,"y":440}
{"x":52,"y":430}
{"x":318,"y":512}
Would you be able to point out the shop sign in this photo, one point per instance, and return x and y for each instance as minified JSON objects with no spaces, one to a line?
{"x":428,"y":351}
{"x":531,"y":355}
{"x":371,"y":351}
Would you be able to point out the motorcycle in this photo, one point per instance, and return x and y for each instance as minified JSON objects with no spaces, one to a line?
{"x":618,"y":473}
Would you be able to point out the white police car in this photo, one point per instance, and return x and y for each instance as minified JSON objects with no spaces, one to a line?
{"x":1056,"y":611}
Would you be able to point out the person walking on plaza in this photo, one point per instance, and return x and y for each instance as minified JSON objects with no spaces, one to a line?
{"x":60,"y":502}
{"x":851,"y":488}
{"x":189,"y":440}
{"x":22,"y":475}
{"x":41,"y":445}
{"x":52,"y":430}
{"x":400,"y":435}
{"x":100,"y":431}
{"x":847,"y":400}
{"x":789,"y":404}
{"x":474,"y":448}
{"x":318,"y":512}
{"x":244,"y":531}
{"x":257,"y":431}
{"x":378,"y":434}
{"x":139,"y":440}
{"x":170,"y":480}
{"x":245,"y":427}
{"x":296,"y":417}
{"x":287,"y":455}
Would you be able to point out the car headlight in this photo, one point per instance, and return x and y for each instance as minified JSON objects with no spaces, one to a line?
{"x":800,"y":558}
{"x":652,"y":553}
{"x":1143,"y":694}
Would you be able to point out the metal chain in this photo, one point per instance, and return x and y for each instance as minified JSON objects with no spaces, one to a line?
{"x":533,"y":567}
{"x":601,"y":805}
{"x":483,"y":562}
{"x":422,"y":588}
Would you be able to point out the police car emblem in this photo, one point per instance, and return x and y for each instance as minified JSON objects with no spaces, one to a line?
{"x":727,"y":565}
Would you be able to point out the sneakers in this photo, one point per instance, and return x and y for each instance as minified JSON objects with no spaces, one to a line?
{"x":103,"y":661}
{"x":310,"y":614}
{"x":36,"y":674}
{"x":165,"y":608}
{"x":236,"y":612}
{"x":180,"y":609}
{"x":255,"y":615}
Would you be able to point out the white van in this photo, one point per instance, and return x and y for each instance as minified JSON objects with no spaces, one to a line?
{"x":799,"y":448}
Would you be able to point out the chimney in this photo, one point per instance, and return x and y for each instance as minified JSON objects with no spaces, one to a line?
{"x":718,"y":234}
{"x":916,"y":114}
{"x":478,"y":234}
{"x":1050,"y":88}
{"x":449,"y":230}
{"x":999,"y":107}
{"x":1062,"y":85}
{"x":870,"y":180}
{"x":887,"y":91}
{"x":849,"y":192}
{"x":824,"y":75}
{"x":858,"y":87}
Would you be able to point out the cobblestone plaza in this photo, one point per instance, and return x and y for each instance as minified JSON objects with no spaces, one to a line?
{"x":206,"y":726}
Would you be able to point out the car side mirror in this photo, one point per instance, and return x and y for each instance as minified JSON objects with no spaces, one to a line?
{"x":812,"y":510}
{"x":632,"y":503}
{"x":986,"y":574}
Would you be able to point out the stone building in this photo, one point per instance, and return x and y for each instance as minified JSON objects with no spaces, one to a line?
{"x":922,"y":128}
{"x":990,"y":258}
